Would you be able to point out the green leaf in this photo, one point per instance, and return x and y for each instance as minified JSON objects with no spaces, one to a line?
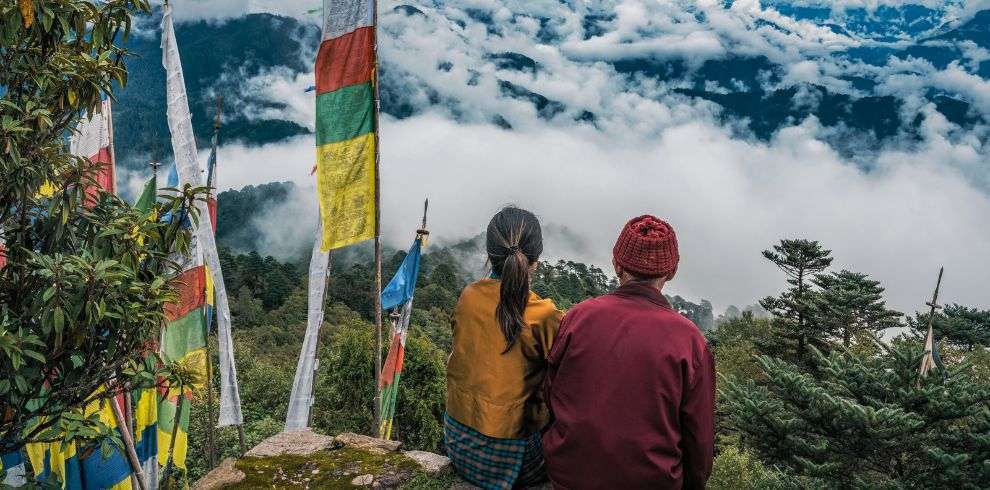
{"x":58,"y":318}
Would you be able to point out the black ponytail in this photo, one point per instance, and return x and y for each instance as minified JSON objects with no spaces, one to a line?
{"x":515,"y":243}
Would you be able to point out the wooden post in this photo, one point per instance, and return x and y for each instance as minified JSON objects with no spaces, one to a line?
{"x":210,"y":424}
{"x":125,"y":435}
{"x":378,"y":240}
{"x":175,"y":432}
{"x":240,"y":439}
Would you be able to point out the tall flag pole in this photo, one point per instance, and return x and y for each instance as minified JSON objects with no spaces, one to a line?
{"x":931,"y":359}
{"x":398,"y":296}
{"x":347,"y":173}
{"x":378,"y":231}
{"x":211,"y":203}
{"x":189,"y":172}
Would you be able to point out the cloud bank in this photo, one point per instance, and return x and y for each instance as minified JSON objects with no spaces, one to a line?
{"x":728,"y":199}
{"x":897,"y":211}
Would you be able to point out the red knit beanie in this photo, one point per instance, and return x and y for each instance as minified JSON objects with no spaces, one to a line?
{"x":647,"y":246}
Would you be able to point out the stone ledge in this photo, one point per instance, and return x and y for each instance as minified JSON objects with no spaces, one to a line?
{"x":302,"y":443}
{"x":375,"y":445}
{"x":304,"y":459}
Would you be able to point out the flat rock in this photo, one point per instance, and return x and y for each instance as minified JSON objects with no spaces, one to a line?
{"x":430,"y":462}
{"x":363,"y":480}
{"x":221,"y":476}
{"x":366,"y":443}
{"x":302,"y":443}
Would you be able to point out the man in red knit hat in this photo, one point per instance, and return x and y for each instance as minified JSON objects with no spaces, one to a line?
{"x":631,"y":382}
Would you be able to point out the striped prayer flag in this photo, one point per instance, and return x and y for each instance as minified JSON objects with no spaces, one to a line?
{"x":146,"y":433}
{"x":76,"y":467}
{"x":94,"y":140}
{"x":13,"y":465}
{"x":183,"y":340}
{"x":345,"y":123}
{"x":3,"y":251}
{"x":397,"y":294}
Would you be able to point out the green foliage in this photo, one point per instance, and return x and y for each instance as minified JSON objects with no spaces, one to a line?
{"x":866,"y":421}
{"x":958,"y":325}
{"x":568,"y":283}
{"x":799,"y":260}
{"x":848,"y":303}
{"x":85,"y":281}
{"x":345,"y":384}
{"x":733,"y":344}
{"x":738,"y":469}
{"x":238,"y":209}
{"x":700,"y":314}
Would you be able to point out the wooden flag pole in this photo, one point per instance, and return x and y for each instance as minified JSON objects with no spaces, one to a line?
{"x":211,"y":426}
{"x":378,"y":241}
{"x":125,"y":436}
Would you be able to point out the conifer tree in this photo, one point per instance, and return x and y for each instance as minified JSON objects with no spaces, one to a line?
{"x":794,"y":327}
{"x":962,"y":327}
{"x":848,"y":303}
{"x":866,"y":421}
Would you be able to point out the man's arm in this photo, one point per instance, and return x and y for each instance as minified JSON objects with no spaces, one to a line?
{"x":698,"y":423}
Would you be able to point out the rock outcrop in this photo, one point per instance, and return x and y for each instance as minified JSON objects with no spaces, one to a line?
{"x":305,"y":459}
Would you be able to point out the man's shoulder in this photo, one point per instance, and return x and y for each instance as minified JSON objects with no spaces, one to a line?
{"x":611,"y":304}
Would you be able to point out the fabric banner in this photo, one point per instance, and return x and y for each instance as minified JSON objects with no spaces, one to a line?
{"x":76,"y":467}
{"x":13,"y":465}
{"x":93,"y":139}
{"x":301,"y":399}
{"x":3,"y":250}
{"x":398,"y":293}
{"x":189,"y":172}
{"x":345,"y":123}
{"x":146,"y":433}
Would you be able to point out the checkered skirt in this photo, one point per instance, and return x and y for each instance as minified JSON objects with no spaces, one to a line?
{"x":492,"y":463}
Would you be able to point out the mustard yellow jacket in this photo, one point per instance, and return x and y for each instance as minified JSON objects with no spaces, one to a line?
{"x":499,"y":395}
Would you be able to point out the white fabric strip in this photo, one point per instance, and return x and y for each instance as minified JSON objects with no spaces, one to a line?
{"x":301,"y":399}
{"x":184,"y":150}
{"x":93,"y":133}
{"x":343,"y":16}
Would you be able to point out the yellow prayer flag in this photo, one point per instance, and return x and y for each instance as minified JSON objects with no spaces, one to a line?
{"x":345,"y":182}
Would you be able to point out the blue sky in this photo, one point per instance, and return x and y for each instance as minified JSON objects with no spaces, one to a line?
{"x":611,"y":142}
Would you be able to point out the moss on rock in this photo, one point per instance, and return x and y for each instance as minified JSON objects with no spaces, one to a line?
{"x":326,"y":469}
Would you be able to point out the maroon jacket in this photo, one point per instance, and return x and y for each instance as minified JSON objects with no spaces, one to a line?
{"x":631,"y":385}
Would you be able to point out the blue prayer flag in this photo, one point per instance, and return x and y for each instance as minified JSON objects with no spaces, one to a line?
{"x":402,"y":286}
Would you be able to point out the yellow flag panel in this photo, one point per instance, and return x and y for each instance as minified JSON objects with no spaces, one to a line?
{"x":345,"y":182}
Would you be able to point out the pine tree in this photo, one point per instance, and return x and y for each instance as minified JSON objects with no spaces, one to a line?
{"x":793,"y":310}
{"x":866,"y":421}
{"x":848,"y":303}
{"x":958,"y":325}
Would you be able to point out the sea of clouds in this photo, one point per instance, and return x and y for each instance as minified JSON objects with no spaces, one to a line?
{"x":897,"y":211}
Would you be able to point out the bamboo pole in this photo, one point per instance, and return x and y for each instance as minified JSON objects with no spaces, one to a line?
{"x":378,"y":241}
{"x":125,"y":436}
{"x":175,"y":432}
{"x":210,"y":425}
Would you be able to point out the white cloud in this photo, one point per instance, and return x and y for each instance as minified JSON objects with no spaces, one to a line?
{"x":921,"y":204}
{"x":729,"y":199}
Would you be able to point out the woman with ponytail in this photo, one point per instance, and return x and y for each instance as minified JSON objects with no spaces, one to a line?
{"x":502,"y":336}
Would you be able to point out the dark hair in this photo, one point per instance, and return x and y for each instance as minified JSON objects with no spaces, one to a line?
{"x":514,"y":243}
